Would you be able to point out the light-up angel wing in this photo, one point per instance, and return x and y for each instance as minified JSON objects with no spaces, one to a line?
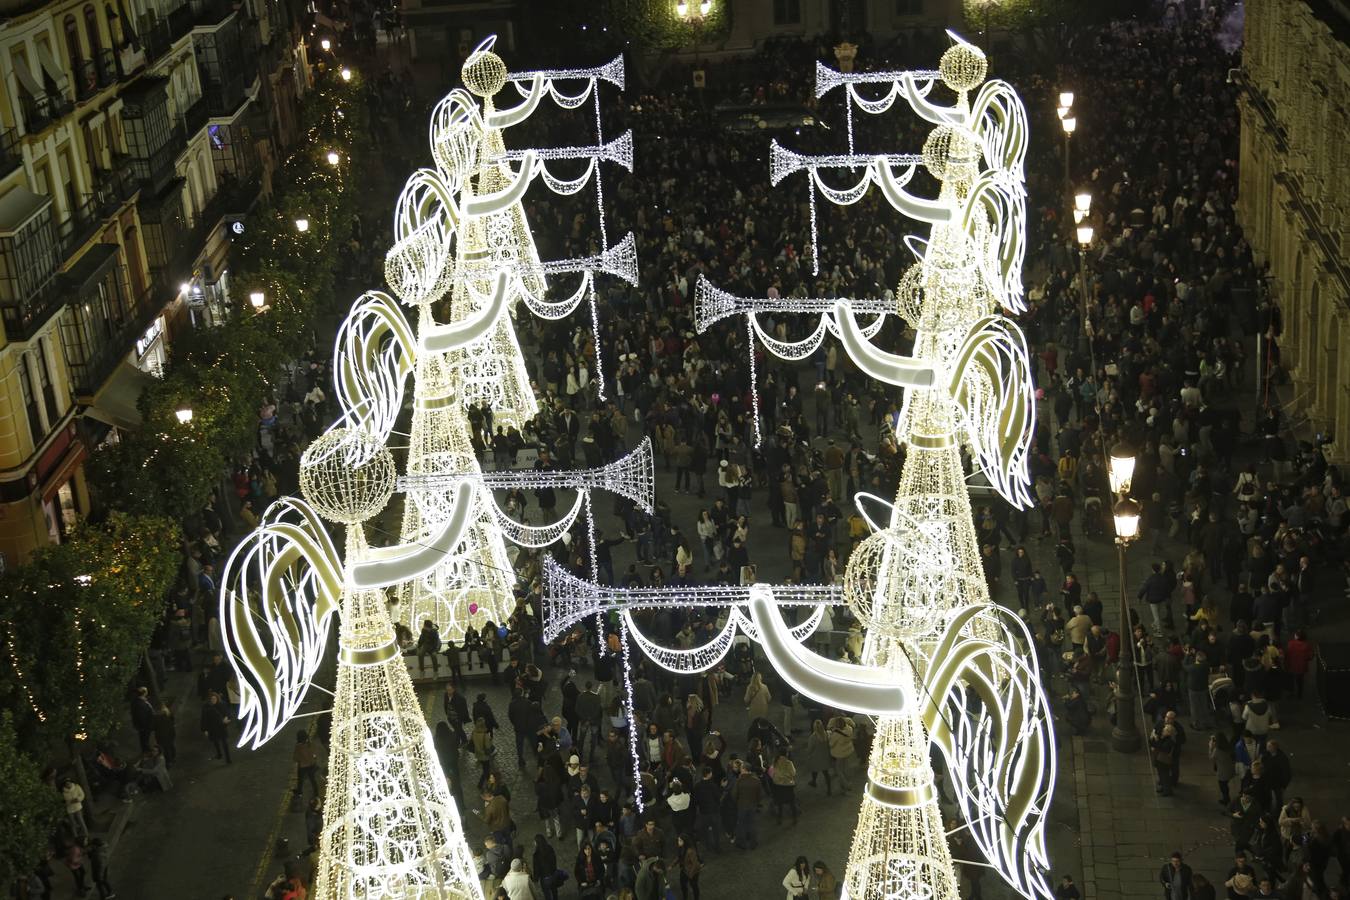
{"x":426,"y":218}
{"x":1000,"y":122}
{"x":1001,"y":201}
{"x":372,"y":358}
{"x":278,"y":590}
{"x":992,"y":385}
{"x":985,"y":710}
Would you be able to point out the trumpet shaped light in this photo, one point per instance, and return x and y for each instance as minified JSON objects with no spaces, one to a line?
{"x":1085,"y":234}
{"x":1126,"y":513}
{"x":1066,"y":98}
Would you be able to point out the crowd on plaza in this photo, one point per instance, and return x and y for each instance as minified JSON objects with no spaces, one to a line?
{"x":1243,"y":522}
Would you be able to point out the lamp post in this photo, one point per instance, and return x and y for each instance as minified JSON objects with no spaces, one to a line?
{"x":346,"y":74}
{"x":302,"y":225}
{"x":1085,"y":233}
{"x":184,"y":415}
{"x":258,"y":300}
{"x":1068,"y":122}
{"x":1125,"y":734}
{"x":334,"y":158}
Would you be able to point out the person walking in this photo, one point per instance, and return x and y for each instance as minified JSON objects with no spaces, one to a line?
{"x":748,"y":793}
{"x":783,"y":775}
{"x":98,"y":861}
{"x":544,"y":864}
{"x":708,"y":810}
{"x":688,"y":863}
{"x":797,"y":882}
{"x":306,"y":764}
{"x":1175,"y":878}
{"x":215,"y":725}
{"x":818,"y":761}
{"x":483,"y":748}
{"x":841,"y":748}
{"x":757,"y":698}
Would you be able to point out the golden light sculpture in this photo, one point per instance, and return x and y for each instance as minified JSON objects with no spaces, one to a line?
{"x":932,"y":633}
{"x":391,"y":829}
{"x":460,"y":229}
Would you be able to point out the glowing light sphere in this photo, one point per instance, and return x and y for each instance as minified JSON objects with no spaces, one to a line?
{"x":483,"y":73}
{"x":347,"y":475}
{"x":963,"y":66}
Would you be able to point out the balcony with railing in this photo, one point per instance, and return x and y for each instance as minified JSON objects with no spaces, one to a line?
{"x":94,"y":349}
{"x":30,"y":256}
{"x":85,"y":79}
{"x":111,"y":190}
{"x":106,"y":63}
{"x":41,"y":110}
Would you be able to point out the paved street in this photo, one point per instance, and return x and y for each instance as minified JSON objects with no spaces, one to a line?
{"x":216,"y":832}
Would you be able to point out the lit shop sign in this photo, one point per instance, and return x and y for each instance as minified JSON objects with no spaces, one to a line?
{"x":151,"y":335}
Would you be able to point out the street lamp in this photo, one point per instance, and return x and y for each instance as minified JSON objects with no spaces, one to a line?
{"x":1125,"y":733}
{"x":1066,"y":98}
{"x":1084,"y":237}
{"x":1083,"y":202}
{"x":1121,"y":469}
{"x":1069,"y":124}
{"x":333,"y":158}
{"x":184,"y":415}
{"x":346,"y":74}
{"x":326,"y":44}
{"x":258,"y":299}
{"x":302,"y":225}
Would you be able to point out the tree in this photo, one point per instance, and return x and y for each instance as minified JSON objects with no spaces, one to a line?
{"x":32,"y":808}
{"x":77,"y":619}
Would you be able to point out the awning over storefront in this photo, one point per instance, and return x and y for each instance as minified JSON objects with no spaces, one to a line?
{"x":115,"y":402}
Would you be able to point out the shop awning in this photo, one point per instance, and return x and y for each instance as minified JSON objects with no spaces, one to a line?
{"x":115,"y":403}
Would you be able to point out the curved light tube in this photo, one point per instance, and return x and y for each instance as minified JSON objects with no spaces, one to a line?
{"x":902,"y":371}
{"x":456,"y":335}
{"x":867,"y":690}
{"x":505,"y":118}
{"x":938,"y":115}
{"x":932,"y":211}
{"x":487,"y":204}
{"x":418,"y":559}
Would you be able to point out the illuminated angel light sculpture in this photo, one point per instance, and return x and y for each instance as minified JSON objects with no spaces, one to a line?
{"x":460,"y":229}
{"x":934,"y":641}
{"x":390,"y":828}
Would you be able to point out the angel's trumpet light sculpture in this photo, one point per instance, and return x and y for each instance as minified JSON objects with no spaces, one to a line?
{"x":464,"y":247}
{"x":391,"y":828}
{"x":916,"y":584}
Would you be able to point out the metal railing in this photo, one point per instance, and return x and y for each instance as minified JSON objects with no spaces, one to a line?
{"x":87,"y":375}
{"x":22,"y":320}
{"x":107,"y":67}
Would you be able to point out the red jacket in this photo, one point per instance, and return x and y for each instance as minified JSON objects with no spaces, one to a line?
{"x":1297,"y":655}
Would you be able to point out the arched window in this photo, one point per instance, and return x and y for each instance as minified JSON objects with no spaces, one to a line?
{"x":91,"y":28}
{"x":73,"y":44}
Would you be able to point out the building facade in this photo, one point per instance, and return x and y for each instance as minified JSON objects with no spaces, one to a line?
{"x":132,"y":132}
{"x":1295,"y":108}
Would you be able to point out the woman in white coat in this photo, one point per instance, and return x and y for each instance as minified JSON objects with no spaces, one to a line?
{"x":797,"y":882}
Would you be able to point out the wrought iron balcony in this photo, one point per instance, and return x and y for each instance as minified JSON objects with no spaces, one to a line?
{"x":107,"y":67}
{"x":11,"y":157}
